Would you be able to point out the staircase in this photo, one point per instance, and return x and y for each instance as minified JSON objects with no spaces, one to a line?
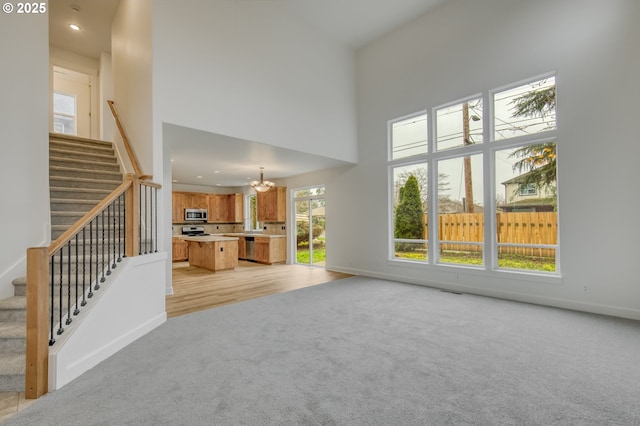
{"x":81,"y":173}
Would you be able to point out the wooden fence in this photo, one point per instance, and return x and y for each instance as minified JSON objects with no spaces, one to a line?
{"x":512,"y":228}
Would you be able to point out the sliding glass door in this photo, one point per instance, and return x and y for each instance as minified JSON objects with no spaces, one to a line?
{"x":310,"y":226}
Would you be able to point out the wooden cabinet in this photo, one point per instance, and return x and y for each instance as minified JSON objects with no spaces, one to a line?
{"x":180,"y":250}
{"x":213,"y":255}
{"x":221,"y":208}
{"x":261,"y":250}
{"x":270,"y":250}
{"x":272,"y":205}
{"x":242,"y":248}
{"x":217,"y":208}
{"x":236,"y":208}
{"x":225,"y":208}
{"x":195,"y":200}
{"x":177,"y":207}
{"x":186,"y":200}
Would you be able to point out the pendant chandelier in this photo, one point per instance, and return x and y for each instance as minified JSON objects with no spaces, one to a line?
{"x":262,"y":185}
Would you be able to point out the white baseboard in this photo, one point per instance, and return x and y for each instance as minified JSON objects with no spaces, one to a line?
{"x":574,"y":305}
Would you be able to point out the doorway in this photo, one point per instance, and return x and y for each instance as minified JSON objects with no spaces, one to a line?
{"x":71,"y":102}
{"x":310,"y":248}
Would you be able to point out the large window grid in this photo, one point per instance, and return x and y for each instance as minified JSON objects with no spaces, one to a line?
{"x":492,"y":139}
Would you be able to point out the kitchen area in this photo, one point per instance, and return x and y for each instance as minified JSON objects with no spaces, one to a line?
{"x":209,"y":229}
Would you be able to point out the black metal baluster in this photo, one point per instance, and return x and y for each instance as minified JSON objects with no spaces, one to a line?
{"x":147,"y":214}
{"x":76,"y":311}
{"x":84,"y":266}
{"x":68,"y":283}
{"x":155,"y":212}
{"x":102,"y":279}
{"x":109,"y":239}
{"x":108,"y":230}
{"x":113,"y":265}
{"x":51,"y":304}
{"x":60,"y":329}
{"x":124,"y":229}
{"x":90,"y":295}
{"x":120,"y":228}
{"x":140,"y":222}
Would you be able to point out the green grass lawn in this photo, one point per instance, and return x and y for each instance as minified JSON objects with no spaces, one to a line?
{"x":302,"y":255}
{"x":510,"y":261}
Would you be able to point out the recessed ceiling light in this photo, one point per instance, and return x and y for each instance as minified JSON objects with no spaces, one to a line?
{"x":74,"y":27}
{"x":175,"y":180}
{"x":216,"y":171}
{"x":217,"y":184}
{"x":199,"y":177}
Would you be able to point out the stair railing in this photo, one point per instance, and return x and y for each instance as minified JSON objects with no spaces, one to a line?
{"x":127,"y":145}
{"x":62,"y":278}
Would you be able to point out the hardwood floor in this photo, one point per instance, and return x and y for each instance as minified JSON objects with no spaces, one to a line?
{"x":196,"y":289}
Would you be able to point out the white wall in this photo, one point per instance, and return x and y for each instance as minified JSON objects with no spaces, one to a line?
{"x":107,"y":123}
{"x":464,"y":47}
{"x":24,"y":163}
{"x":253,"y":71}
{"x":131,"y":59}
{"x":140,"y":305}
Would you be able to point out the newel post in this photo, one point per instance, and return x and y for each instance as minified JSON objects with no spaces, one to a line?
{"x":132,"y":218}
{"x":37,"y":357}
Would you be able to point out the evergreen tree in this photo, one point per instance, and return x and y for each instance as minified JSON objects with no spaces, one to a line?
{"x":539,"y":159}
{"x":408,"y":220}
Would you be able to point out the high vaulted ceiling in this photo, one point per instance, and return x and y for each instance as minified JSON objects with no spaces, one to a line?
{"x":353,"y":23}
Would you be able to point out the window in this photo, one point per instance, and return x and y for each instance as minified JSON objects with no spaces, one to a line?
{"x":409,"y":215}
{"x":409,"y":137}
{"x":64,"y":113}
{"x":251,"y":215}
{"x":528,"y":189}
{"x":478,"y":187}
{"x":309,"y":204}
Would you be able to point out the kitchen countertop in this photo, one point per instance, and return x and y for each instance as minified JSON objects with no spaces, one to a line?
{"x":206,"y":238}
{"x":249,"y":234}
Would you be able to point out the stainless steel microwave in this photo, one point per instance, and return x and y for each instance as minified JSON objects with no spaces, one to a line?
{"x":195,"y":215}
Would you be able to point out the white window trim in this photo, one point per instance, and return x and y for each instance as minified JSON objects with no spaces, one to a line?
{"x":293,"y":241}
{"x":487,"y":149}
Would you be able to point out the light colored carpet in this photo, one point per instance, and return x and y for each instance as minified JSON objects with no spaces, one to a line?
{"x":361,"y":351}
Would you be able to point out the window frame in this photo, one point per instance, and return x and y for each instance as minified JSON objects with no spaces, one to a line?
{"x":528,"y":189}
{"x":487,"y":149}
{"x":73,"y":117}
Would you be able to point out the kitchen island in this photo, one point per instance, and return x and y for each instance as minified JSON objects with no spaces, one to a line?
{"x":262,"y":248}
{"x":213,"y":252}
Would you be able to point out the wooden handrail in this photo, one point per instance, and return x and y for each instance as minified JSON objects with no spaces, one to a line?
{"x":91,"y":214}
{"x":127,"y":145}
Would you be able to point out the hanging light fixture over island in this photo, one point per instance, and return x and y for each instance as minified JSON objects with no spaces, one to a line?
{"x":262,"y":185}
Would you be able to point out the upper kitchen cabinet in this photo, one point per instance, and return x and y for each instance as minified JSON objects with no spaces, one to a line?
{"x":236,"y":208}
{"x":225,"y":208}
{"x":186,"y":200}
{"x":196,"y":200}
{"x":177,"y":207}
{"x":272,"y":205}
{"x":216,"y":205}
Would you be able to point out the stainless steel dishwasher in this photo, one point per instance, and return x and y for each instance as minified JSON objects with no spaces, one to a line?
{"x":249,"y":241}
